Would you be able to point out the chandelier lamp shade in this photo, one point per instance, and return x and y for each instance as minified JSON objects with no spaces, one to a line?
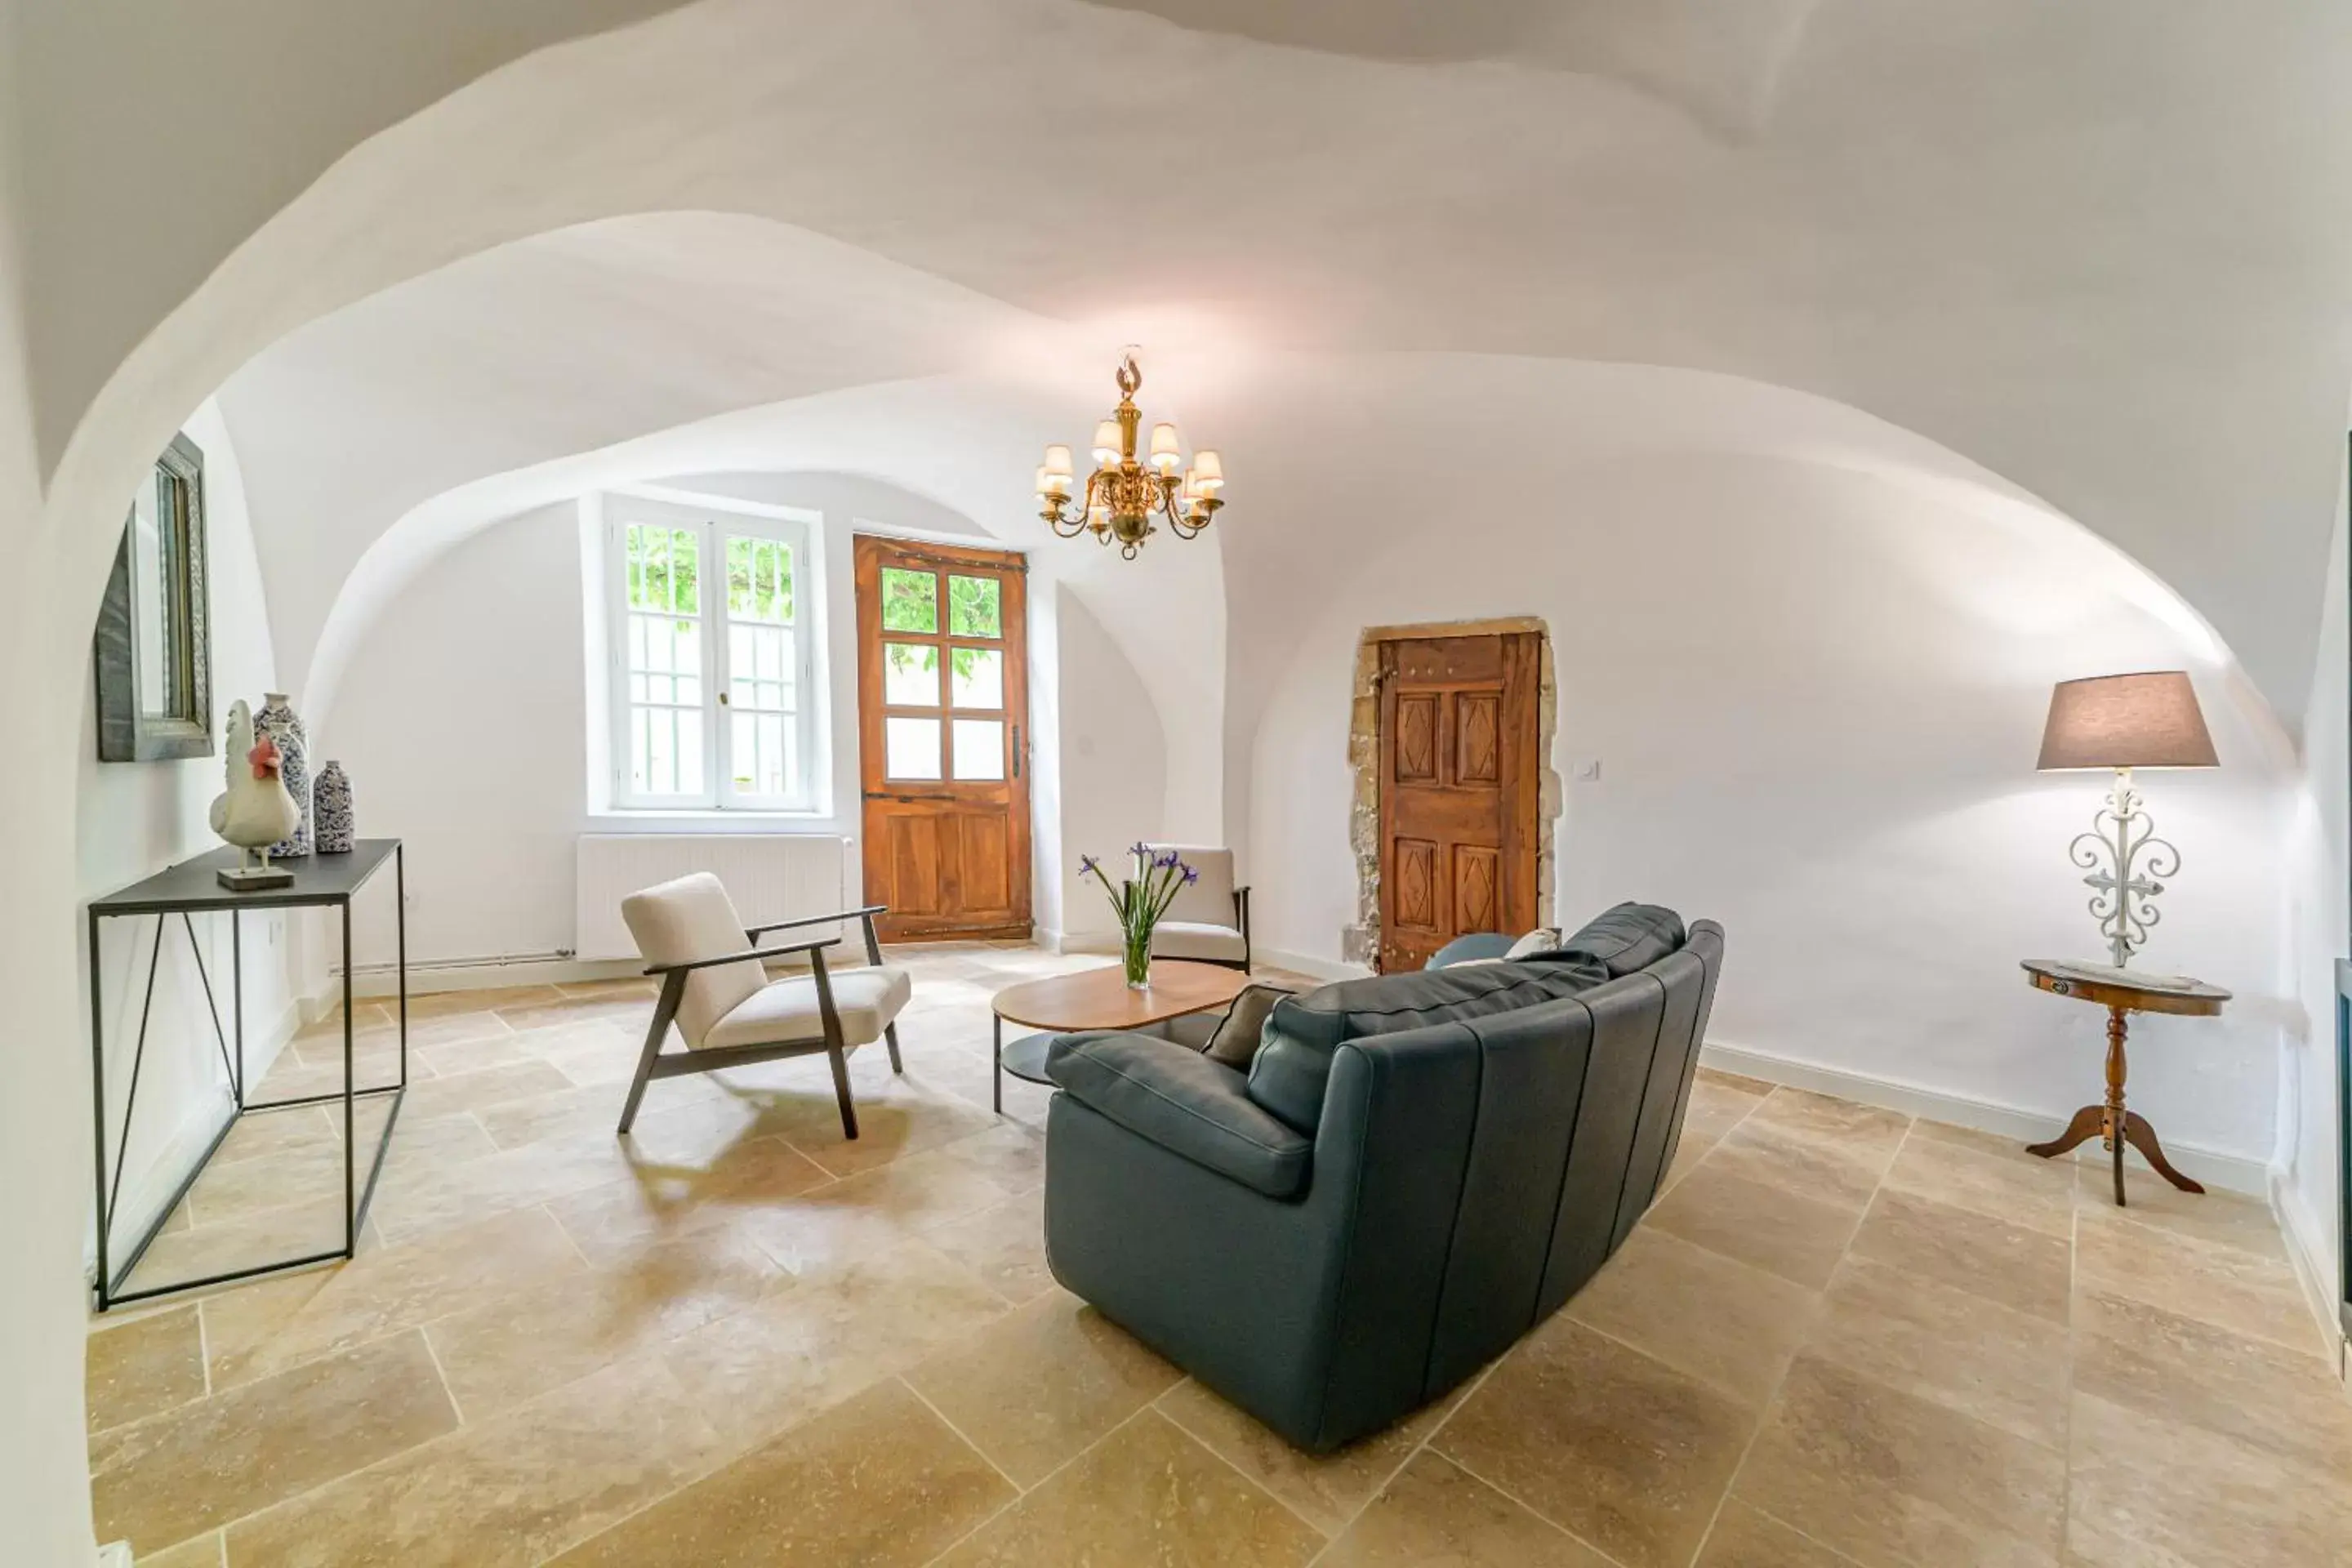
{"x":2148,"y":720}
{"x":1130,"y":487}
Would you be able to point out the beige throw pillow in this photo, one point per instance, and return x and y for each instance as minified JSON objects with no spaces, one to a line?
{"x":1543,"y":939}
{"x":1235,"y":1042}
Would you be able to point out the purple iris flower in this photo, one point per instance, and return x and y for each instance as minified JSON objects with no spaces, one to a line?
{"x":1190,"y":876}
{"x":1163,"y":862}
{"x":1088,"y":863}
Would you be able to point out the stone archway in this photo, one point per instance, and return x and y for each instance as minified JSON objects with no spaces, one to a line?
{"x":1360,"y":943}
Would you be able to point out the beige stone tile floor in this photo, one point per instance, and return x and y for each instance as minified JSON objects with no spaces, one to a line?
{"x":1841,"y":1337}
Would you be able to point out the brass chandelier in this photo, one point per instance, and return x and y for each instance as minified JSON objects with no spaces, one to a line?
{"x":1123,"y":493}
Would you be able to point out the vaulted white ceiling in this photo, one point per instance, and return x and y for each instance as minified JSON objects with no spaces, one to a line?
{"x":2098,"y":249}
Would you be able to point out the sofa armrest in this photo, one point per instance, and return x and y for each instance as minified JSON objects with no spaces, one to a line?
{"x":1185,"y":1103}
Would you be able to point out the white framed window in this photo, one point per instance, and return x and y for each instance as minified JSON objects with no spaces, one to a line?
{"x":713,"y":658}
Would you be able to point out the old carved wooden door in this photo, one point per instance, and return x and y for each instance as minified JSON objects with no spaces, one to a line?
{"x":1459,"y":781}
{"x":943,"y":710}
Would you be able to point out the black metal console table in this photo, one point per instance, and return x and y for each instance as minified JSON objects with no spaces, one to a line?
{"x":189,"y":889}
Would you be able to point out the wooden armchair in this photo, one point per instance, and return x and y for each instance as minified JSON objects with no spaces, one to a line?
{"x":716,"y":990}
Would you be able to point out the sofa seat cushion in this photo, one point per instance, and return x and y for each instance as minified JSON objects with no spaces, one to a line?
{"x":1198,"y":939}
{"x":1294,"y":1061}
{"x":1184,"y":1103}
{"x":1624,"y":938}
{"x":785,"y":1011}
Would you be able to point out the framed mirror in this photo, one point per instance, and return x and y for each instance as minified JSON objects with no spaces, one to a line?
{"x":154,"y":647}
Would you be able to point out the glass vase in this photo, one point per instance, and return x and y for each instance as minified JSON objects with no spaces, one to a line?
{"x":1136,"y":951}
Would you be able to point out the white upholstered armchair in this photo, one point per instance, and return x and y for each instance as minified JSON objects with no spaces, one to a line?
{"x":1209,"y":921}
{"x":716,"y":990}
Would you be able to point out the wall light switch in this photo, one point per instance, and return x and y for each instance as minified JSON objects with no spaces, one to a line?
{"x":1586,"y":770}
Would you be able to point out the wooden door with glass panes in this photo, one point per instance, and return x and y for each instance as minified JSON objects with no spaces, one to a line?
{"x":942,"y":716}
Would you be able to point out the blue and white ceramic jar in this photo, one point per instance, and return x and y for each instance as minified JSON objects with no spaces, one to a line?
{"x":278,"y":720}
{"x":330,"y":799}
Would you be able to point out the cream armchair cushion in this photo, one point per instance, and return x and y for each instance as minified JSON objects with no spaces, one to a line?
{"x":784,"y":1011}
{"x":1201,"y":922}
{"x":688,"y":919}
{"x":1198,"y":938}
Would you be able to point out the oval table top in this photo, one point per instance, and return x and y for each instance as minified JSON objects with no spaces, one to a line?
{"x":1100,"y":998}
{"x":2111,"y":987}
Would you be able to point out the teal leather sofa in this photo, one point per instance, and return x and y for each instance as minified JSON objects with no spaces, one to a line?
{"x":1417,"y":1169}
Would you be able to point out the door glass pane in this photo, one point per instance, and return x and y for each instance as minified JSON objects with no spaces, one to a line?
{"x":910,"y":675}
{"x":979,"y":748}
{"x":910,"y":600}
{"x":910,"y":748}
{"x":976,"y":676}
{"x":971,"y":606}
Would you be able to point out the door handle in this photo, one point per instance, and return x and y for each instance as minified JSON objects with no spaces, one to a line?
{"x":1016,"y":750}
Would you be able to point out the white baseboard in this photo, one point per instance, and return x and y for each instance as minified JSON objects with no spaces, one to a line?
{"x":2235,"y":1172}
{"x":429,"y":977}
{"x":114,"y":1554}
{"x":2314,"y":1270}
{"x":1308,"y":965}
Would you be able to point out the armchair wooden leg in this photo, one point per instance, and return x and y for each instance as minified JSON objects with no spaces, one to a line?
{"x":891,"y":1033}
{"x":841,"y":1091}
{"x":665,"y":1009}
{"x":835,"y":1051}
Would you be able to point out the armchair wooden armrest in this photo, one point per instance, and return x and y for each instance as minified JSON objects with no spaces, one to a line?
{"x":784,"y":952}
{"x":873,"y":945}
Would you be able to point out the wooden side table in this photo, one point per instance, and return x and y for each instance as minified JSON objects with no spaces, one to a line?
{"x":2120,"y":993}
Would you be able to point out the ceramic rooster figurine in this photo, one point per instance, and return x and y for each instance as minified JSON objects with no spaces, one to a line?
{"x":256,"y":811}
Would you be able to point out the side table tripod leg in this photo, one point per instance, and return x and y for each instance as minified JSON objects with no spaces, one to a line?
{"x":2087,"y":1124}
{"x":2142,"y":1137}
{"x":2116,"y":1028}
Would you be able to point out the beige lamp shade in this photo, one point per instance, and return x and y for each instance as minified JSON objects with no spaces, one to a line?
{"x":2146,"y":720}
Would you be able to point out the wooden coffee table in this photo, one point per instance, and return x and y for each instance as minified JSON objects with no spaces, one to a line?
{"x":1100,"y":999}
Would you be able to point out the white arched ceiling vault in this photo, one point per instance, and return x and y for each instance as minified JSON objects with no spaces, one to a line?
{"x":2112,"y":275}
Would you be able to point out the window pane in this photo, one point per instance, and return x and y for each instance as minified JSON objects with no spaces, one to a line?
{"x":976,"y":677}
{"x":762,"y":743}
{"x":910,"y":600}
{"x":758,"y":672}
{"x":759,"y":580}
{"x":662,"y":565}
{"x":910,"y":748}
{"x":910,"y":675}
{"x":971,"y":606}
{"x":690,"y":751}
{"x":979,"y":748}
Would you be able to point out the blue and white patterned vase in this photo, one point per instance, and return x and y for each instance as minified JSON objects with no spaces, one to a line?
{"x":284,"y":727}
{"x":330,"y":800}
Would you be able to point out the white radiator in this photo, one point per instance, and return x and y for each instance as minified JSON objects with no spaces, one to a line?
{"x":771,"y":877}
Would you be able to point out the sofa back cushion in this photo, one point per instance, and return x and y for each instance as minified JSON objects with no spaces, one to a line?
{"x":1293,"y":1065}
{"x":1623,"y":939}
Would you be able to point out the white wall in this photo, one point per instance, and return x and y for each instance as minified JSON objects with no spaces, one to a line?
{"x":2319,"y":867}
{"x":45,"y":1519}
{"x":137,"y":818}
{"x":1114,"y":767}
{"x":1816,"y":699}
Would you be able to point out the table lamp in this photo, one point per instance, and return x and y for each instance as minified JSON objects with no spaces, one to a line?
{"x":2123,"y":721}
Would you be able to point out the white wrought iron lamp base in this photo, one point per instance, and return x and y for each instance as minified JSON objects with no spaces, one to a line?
{"x":2128,"y":864}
